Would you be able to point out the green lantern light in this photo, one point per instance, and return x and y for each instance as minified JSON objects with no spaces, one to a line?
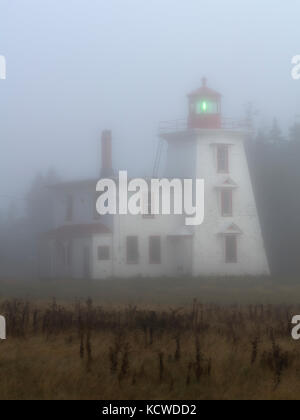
{"x":203,"y":107}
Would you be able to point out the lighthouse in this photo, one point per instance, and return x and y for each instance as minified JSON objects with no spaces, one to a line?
{"x":229,"y":242}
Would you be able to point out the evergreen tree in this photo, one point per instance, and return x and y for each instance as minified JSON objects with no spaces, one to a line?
{"x":275,"y":134}
{"x":261,"y":136}
{"x":294,"y":132}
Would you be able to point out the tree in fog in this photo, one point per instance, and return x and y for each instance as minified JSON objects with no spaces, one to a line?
{"x":275,"y":174}
{"x":294,"y":132}
{"x":19,"y":234}
{"x":275,"y":134}
{"x":39,"y":202}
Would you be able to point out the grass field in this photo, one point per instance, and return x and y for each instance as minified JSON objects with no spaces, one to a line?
{"x":159,"y":291}
{"x":150,"y":339}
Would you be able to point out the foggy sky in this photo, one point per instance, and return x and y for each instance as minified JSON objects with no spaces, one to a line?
{"x":76,"y":67}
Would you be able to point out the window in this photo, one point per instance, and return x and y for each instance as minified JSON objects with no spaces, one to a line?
{"x":132,"y":250}
{"x":226,"y":203}
{"x":154,"y":250}
{"x":230,"y":249}
{"x":222,"y":158}
{"x":103,"y":253}
{"x":69,"y":209}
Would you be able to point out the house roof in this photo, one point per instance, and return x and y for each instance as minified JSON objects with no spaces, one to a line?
{"x":67,"y":231}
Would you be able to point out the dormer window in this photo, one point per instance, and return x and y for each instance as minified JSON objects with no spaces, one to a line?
{"x":222,"y":158}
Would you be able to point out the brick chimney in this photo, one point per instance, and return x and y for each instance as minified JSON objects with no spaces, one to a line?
{"x":106,"y":154}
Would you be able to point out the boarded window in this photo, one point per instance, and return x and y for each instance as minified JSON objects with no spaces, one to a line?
{"x":222,"y":158}
{"x":154,"y":250}
{"x":69,"y":208}
{"x":103,"y":253}
{"x":230,"y":249}
{"x":226,"y":202}
{"x":132,"y":250}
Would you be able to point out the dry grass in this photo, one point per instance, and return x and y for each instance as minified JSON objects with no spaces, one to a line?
{"x":201,"y":351}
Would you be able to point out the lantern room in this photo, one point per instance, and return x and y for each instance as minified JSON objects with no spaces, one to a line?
{"x":204,"y":108}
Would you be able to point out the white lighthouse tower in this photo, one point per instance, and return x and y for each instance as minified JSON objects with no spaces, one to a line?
{"x":229,"y":242}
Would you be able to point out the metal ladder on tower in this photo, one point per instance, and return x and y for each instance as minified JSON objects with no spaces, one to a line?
{"x":158,"y":157}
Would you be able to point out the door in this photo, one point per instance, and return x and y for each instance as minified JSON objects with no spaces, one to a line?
{"x":180,"y":251}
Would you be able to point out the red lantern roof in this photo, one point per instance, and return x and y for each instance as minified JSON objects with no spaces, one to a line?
{"x":205,"y":91}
